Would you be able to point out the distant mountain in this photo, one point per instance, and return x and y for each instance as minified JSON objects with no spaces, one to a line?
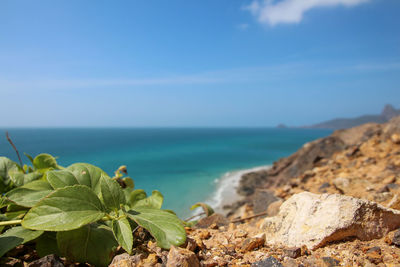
{"x":388,"y":112}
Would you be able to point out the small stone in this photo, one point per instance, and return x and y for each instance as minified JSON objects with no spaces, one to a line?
{"x":191,"y":244}
{"x":374,"y":255}
{"x":341,"y":184}
{"x":250,"y":244}
{"x":204,"y":234}
{"x":396,"y":238}
{"x":330,"y":262}
{"x":268,"y":262}
{"x":151,"y":260}
{"x":374,"y":249}
{"x":10,"y":262}
{"x":305,"y":251}
{"x":180,"y":257}
{"x":208,"y":263}
{"x":389,"y":238}
{"x":240,"y":233}
{"x":323,"y":187}
{"x":125,"y":260}
{"x":293,"y":252}
{"x":47,"y":261}
{"x":395,"y":138}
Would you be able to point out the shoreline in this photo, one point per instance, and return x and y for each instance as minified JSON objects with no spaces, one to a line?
{"x":225,"y":192}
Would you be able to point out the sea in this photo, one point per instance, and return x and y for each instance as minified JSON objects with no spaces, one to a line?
{"x":187,"y":165}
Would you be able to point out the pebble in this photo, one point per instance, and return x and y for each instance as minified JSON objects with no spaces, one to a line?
{"x":180,"y":257}
{"x":268,"y":262}
{"x":250,"y":244}
{"x":293,"y":252}
{"x":49,"y":260}
{"x":330,"y":262}
{"x":396,"y":238}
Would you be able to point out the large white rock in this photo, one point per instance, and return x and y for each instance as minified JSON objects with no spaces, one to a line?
{"x":315,"y":220}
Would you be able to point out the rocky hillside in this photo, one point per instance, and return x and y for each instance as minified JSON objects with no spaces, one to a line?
{"x":335,"y":202}
{"x":388,"y":113}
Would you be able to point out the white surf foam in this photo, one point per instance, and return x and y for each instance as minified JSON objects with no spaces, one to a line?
{"x":226,"y":186}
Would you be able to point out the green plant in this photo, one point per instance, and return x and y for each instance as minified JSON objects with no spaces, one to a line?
{"x":79,"y":211}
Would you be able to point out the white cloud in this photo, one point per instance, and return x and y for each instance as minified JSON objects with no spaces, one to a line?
{"x":273,"y":12}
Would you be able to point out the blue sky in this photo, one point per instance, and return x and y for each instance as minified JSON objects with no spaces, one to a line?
{"x":196,"y":63}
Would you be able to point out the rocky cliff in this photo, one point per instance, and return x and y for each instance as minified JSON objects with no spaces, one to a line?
{"x":335,"y":202}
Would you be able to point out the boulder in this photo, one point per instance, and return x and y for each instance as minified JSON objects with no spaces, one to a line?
{"x":314,"y":220}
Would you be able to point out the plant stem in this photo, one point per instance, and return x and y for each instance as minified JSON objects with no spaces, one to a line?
{"x":250,"y":217}
{"x":10,"y":222}
{"x":16,"y":150}
{"x":194,"y":216}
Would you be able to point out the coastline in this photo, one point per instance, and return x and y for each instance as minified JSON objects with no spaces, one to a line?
{"x":226,"y":188}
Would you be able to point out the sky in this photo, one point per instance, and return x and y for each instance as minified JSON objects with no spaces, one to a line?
{"x":179,"y":63}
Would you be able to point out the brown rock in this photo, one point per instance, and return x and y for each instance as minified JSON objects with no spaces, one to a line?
{"x":268,"y":262}
{"x":395,"y":138}
{"x":396,"y":238}
{"x":293,"y":252}
{"x":191,"y":244}
{"x":125,"y":260}
{"x":151,"y":260}
{"x":47,"y":261}
{"x":330,"y":262}
{"x":11,"y":262}
{"x":204,"y":234}
{"x":374,"y":255}
{"x":250,"y":244}
{"x":209,"y":263}
{"x":180,"y":257}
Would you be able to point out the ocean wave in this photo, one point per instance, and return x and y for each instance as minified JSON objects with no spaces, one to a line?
{"x":225,"y":192}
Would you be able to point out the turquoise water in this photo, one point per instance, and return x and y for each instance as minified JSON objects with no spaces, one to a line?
{"x":181,"y":163}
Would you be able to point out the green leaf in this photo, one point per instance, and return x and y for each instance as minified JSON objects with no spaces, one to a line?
{"x":6,"y":165}
{"x":19,"y":178}
{"x":123,"y":233}
{"x":88,"y":175}
{"x":29,"y":157}
{"x":129,"y":182}
{"x":112,"y":194}
{"x":30,"y":194}
{"x":65,"y":209}
{"x":61,"y":178}
{"x":92,"y":243}
{"x":153,"y":201}
{"x":44,"y":162}
{"x":15,"y":212}
{"x":16,"y":236}
{"x":135,"y":196}
{"x":165,"y":227}
{"x":46,"y":244}
{"x":206,"y":208}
